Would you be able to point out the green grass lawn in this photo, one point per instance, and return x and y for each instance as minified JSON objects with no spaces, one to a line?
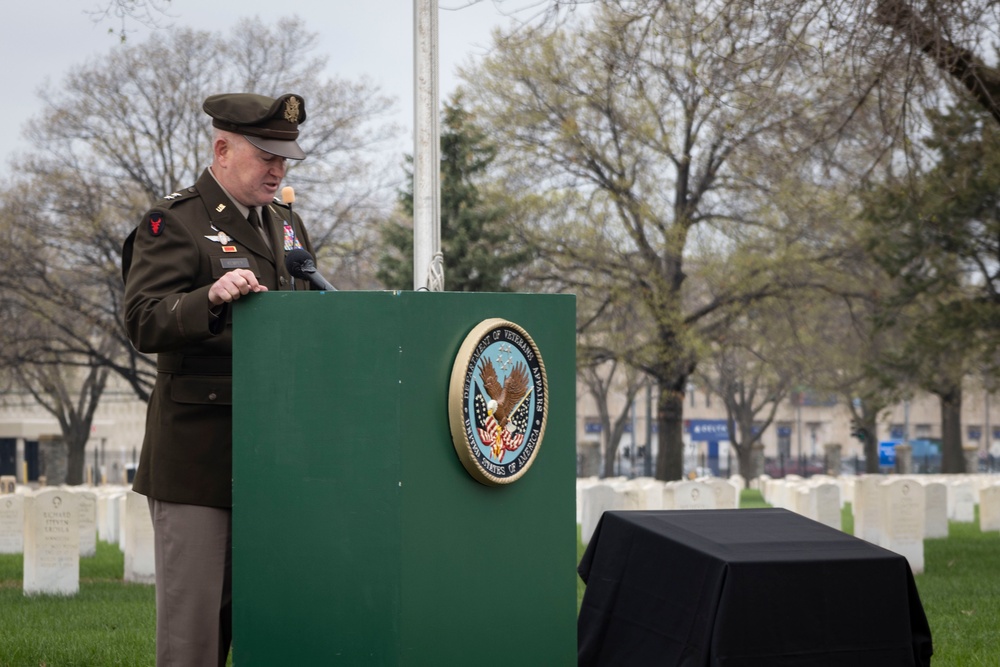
{"x":107,"y":623}
{"x":112,"y":623}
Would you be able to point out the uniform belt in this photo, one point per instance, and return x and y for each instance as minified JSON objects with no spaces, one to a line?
{"x":182,"y":365}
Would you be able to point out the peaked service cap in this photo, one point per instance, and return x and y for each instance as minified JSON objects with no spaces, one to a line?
{"x":271,"y":125}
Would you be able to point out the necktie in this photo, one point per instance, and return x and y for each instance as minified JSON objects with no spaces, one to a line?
{"x":255,"y":222}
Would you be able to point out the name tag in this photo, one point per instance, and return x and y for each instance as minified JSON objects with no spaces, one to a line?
{"x":235,"y":262}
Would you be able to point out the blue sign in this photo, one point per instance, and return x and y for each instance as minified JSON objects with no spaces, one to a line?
{"x":708,"y":430}
{"x":887,"y":453}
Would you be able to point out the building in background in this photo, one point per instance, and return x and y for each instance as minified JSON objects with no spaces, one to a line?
{"x":796,"y":439}
{"x":26,"y":431}
{"x":794,"y":442}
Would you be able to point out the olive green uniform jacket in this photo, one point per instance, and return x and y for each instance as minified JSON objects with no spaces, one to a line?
{"x":184,"y":244}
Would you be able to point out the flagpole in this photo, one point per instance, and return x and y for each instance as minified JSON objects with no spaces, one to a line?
{"x":428,"y":272}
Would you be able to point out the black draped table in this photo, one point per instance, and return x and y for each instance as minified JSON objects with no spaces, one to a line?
{"x":760,"y":588}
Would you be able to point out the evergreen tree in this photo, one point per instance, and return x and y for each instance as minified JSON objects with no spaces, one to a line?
{"x":938,"y":236}
{"x":477,"y":240}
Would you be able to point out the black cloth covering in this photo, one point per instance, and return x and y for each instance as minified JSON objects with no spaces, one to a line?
{"x":755,"y":588}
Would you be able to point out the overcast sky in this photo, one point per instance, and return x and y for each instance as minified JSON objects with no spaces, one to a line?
{"x":43,"y":39}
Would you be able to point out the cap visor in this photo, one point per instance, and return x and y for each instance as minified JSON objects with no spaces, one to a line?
{"x":285,"y":149}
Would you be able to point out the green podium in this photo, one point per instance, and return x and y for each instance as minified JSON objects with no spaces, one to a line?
{"x":359,"y":536}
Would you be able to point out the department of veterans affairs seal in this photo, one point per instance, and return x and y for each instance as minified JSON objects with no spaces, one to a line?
{"x":497,"y":402}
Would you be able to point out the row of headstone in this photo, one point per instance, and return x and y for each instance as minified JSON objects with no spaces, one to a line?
{"x":55,"y":526}
{"x":899,"y":512}
{"x":893,"y":511}
{"x":818,"y":498}
{"x":595,"y":496}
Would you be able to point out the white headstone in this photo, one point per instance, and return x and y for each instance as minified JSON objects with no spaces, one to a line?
{"x":847,"y":490}
{"x":726,"y":497}
{"x":122,"y":520}
{"x":645,"y":493}
{"x":51,"y":542}
{"x":904,"y":510}
{"x":868,"y":520}
{"x":786,"y":495}
{"x":989,"y":508}
{"x":595,"y":501}
{"x":827,"y":504}
{"x":962,"y":500}
{"x":108,"y":515}
{"x":581,"y":484}
{"x":140,"y":561}
{"x":802,"y":499}
{"x":88,"y":523}
{"x":633,"y":497}
{"x":11,"y":524}
{"x":693,"y":496}
{"x":102,"y":516}
{"x":936,"y":502}
{"x":774,"y":491}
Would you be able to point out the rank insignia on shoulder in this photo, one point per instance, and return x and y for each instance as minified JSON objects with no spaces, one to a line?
{"x":155,"y":224}
{"x":175,"y":197}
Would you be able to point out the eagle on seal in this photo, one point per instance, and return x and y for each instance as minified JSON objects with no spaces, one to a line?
{"x":504,"y":398}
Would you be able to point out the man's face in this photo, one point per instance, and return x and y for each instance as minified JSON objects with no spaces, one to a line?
{"x":250,"y":175}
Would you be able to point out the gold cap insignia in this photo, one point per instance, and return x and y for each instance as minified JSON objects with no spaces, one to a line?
{"x":292,"y":109}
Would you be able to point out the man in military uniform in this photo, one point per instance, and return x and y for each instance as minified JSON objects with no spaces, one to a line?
{"x":194,"y":253}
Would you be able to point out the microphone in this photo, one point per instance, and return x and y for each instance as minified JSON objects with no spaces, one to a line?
{"x":288,"y":197}
{"x":300,"y":264}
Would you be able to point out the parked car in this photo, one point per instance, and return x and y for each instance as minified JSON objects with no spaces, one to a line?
{"x":778,"y":468}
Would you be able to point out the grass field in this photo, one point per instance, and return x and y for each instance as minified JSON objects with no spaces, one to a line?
{"x":110,"y":623}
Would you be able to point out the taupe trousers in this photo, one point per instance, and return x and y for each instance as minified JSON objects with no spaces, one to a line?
{"x":193,"y":584}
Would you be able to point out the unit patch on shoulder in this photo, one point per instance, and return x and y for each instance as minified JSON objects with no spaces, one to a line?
{"x":155,"y":224}
{"x":497,"y":402}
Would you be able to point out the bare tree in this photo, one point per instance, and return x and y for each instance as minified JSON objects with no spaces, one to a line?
{"x":642,"y":116}
{"x":127,"y":129}
{"x":55,"y":347}
{"x":607,"y":383}
{"x":149,"y":13}
{"x":750,"y":369}
{"x":897,"y":51}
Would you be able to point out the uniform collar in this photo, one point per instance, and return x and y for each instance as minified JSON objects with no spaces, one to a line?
{"x":229,"y":215}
